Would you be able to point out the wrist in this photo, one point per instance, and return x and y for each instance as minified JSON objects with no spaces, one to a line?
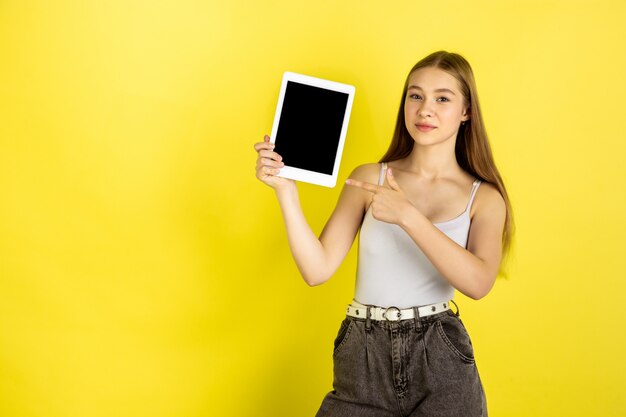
{"x":287,"y":190}
{"x":410,"y":217}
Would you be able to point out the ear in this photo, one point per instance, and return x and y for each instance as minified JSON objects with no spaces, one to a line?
{"x":466,"y":114}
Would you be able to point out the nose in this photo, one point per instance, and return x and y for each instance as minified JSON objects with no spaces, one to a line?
{"x":425,"y":109}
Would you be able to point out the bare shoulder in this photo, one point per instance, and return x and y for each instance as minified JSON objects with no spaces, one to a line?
{"x":366,"y":173}
{"x":488,"y":201}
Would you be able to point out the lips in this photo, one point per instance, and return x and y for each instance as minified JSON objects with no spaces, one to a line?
{"x":425,"y":128}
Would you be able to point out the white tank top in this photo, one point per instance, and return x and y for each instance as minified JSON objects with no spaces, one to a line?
{"x":393,"y":271}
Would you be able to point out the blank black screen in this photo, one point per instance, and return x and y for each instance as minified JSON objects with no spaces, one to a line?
{"x":310,"y":126}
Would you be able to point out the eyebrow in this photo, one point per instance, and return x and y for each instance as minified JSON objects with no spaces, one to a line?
{"x":439,"y":90}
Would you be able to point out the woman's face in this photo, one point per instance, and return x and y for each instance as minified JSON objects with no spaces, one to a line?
{"x":433,"y":99}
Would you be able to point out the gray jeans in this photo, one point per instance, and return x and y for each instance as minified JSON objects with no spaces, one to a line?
{"x":418,"y":367}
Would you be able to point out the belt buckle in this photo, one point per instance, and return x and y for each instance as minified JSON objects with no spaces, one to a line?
{"x":398,"y":314}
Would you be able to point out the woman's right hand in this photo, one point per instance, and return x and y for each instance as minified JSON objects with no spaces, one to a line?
{"x":268,"y":164}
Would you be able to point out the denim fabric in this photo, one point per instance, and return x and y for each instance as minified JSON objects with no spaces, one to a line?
{"x":421,"y":367}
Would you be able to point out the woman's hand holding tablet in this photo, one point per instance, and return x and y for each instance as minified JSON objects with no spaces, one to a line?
{"x":269,"y":164}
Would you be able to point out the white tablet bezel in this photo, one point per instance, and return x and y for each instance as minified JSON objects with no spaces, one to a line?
{"x":302,"y":174}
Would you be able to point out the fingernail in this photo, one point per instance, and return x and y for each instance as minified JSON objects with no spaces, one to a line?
{"x":390,"y":173}
{"x":348,"y":182}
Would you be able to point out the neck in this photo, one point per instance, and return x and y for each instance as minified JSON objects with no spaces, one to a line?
{"x":433,"y":161}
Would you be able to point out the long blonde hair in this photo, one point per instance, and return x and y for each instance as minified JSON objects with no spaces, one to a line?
{"x":472,"y":149}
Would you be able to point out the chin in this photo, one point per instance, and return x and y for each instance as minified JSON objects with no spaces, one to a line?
{"x":421,"y":141}
{"x":425,"y":139}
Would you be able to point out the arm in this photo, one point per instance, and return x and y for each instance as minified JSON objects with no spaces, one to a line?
{"x":472,"y":271}
{"x":316,"y":259}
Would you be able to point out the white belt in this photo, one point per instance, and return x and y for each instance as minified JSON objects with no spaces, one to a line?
{"x":359,"y":310}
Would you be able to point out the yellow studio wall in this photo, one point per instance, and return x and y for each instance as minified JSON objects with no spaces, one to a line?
{"x":144,"y":271}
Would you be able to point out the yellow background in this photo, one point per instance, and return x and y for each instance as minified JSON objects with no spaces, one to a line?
{"x":144,"y":271}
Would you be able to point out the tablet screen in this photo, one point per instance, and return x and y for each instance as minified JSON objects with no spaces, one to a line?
{"x":310,"y":127}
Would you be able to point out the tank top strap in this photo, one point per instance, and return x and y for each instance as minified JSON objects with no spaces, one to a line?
{"x":475,"y":186}
{"x":381,"y":176}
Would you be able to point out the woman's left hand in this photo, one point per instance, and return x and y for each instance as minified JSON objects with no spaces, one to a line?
{"x":389,"y":205}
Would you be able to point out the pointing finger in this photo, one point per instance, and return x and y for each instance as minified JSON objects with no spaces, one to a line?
{"x":364,"y":185}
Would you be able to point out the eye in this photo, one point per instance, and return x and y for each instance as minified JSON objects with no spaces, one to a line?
{"x":444,"y":98}
{"x":415,"y":96}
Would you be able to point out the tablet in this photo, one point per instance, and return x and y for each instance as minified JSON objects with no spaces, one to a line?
{"x":310,"y":127}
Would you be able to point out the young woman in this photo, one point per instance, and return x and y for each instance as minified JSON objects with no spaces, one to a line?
{"x":434,"y":217}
